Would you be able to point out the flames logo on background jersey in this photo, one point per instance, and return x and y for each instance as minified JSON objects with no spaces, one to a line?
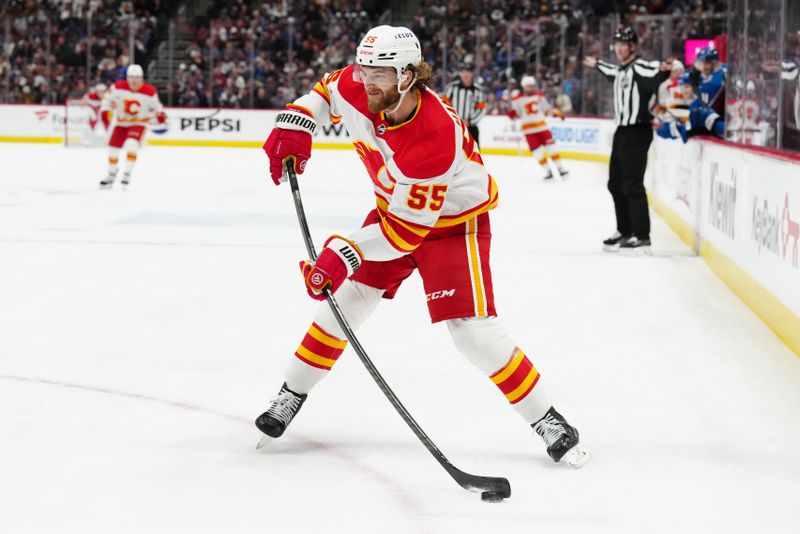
{"x":376,"y":166}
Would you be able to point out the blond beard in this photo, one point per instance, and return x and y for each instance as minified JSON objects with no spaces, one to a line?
{"x":389,"y":98}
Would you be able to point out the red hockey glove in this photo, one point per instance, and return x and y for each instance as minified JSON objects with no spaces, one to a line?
{"x":105,"y":116}
{"x":339,"y":260}
{"x":291,"y":138}
{"x":161,"y":117}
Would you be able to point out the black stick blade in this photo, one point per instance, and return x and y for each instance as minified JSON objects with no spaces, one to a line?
{"x":479,"y":484}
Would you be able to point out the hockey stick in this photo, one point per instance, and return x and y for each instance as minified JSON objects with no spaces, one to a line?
{"x":492,"y":489}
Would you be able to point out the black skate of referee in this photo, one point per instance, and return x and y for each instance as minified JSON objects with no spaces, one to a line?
{"x":635,"y":80}
{"x":467,"y":98}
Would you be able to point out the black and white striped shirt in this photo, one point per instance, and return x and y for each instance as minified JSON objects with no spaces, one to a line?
{"x":469,"y":102}
{"x":634,"y":85}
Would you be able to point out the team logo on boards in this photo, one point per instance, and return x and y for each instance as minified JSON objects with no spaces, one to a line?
{"x":41,"y":114}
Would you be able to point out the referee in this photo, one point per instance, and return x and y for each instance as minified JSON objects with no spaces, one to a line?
{"x":468,"y":98}
{"x":634,"y":80}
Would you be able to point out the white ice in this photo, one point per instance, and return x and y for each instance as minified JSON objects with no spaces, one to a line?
{"x":141,"y":332}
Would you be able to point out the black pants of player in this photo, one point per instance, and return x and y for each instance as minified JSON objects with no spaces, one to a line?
{"x":474,"y":132}
{"x":626,"y":179}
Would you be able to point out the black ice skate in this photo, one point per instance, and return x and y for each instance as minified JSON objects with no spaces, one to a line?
{"x":635,"y":245}
{"x":561,"y":439}
{"x":107,"y":182}
{"x":564,"y":173}
{"x":549,"y":175}
{"x":282,"y":409}
{"x":126,"y":179}
{"x":613,"y":243}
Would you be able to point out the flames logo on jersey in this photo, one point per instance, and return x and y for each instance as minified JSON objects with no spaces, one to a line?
{"x":376,"y":166}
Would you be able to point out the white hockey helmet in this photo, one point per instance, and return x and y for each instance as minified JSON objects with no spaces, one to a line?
{"x":390,"y":46}
{"x":100,"y":88}
{"x":528,"y":81}
{"x":677,"y":66}
{"x":134,"y":71}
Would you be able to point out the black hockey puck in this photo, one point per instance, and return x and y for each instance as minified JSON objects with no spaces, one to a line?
{"x":491,"y":496}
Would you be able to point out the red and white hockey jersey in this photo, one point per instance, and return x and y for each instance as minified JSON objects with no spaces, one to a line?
{"x":93,"y":100}
{"x":744,"y":122}
{"x":427,"y":172}
{"x":531,"y":110}
{"x":132,"y":107}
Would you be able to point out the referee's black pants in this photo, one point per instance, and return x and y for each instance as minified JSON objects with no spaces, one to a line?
{"x":626,"y":179}
{"x":474,"y":132}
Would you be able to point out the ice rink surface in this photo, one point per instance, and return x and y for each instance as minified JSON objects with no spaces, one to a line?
{"x":141,"y":332}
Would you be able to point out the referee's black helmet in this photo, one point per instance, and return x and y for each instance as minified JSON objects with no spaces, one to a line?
{"x":626,"y":35}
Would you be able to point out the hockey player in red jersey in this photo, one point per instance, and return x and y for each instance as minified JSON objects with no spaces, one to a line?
{"x":134,"y":104}
{"x":531,"y":107}
{"x":94,"y":99}
{"x":433,"y":196}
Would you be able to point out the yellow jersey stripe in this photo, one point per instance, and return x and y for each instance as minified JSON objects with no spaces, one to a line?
{"x":393,"y":236}
{"x":475,"y":264}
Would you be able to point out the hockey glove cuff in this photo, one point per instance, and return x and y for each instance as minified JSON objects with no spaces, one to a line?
{"x":338,"y":261}
{"x":290,"y":138}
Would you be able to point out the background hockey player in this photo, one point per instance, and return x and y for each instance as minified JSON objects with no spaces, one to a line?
{"x":531,"y":107}
{"x":670,"y":93}
{"x":133,"y":104}
{"x":698,"y":119}
{"x":709,"y":78}
{"x":744,"y":116}
{"x":433,"y":195}
{"x":94,"y":99}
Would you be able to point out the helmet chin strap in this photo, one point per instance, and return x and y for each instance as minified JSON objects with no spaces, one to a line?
{"x":402,"y":92}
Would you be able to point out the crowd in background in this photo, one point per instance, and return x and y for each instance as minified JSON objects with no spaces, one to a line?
{"x":264,"y":54}
{"x":250,"y":53}
{"x":44,"y":45}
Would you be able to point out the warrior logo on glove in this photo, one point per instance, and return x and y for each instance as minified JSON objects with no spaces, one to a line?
{"x":338,"y":261}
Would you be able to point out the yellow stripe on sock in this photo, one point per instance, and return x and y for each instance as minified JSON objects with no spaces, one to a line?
{"x":325,"y":339}
{"x":316,"y":358}
{"x":517,"y":393}
{"x":509,"y":369}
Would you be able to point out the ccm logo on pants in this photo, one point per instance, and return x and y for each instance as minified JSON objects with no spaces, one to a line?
{"x":440,"y":294}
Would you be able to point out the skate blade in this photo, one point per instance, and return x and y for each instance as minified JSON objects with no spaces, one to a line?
{"x":577,"y":457}
{"x":264,"y":444}
{"x":611,"y":248}
{"x":638,"y":251}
